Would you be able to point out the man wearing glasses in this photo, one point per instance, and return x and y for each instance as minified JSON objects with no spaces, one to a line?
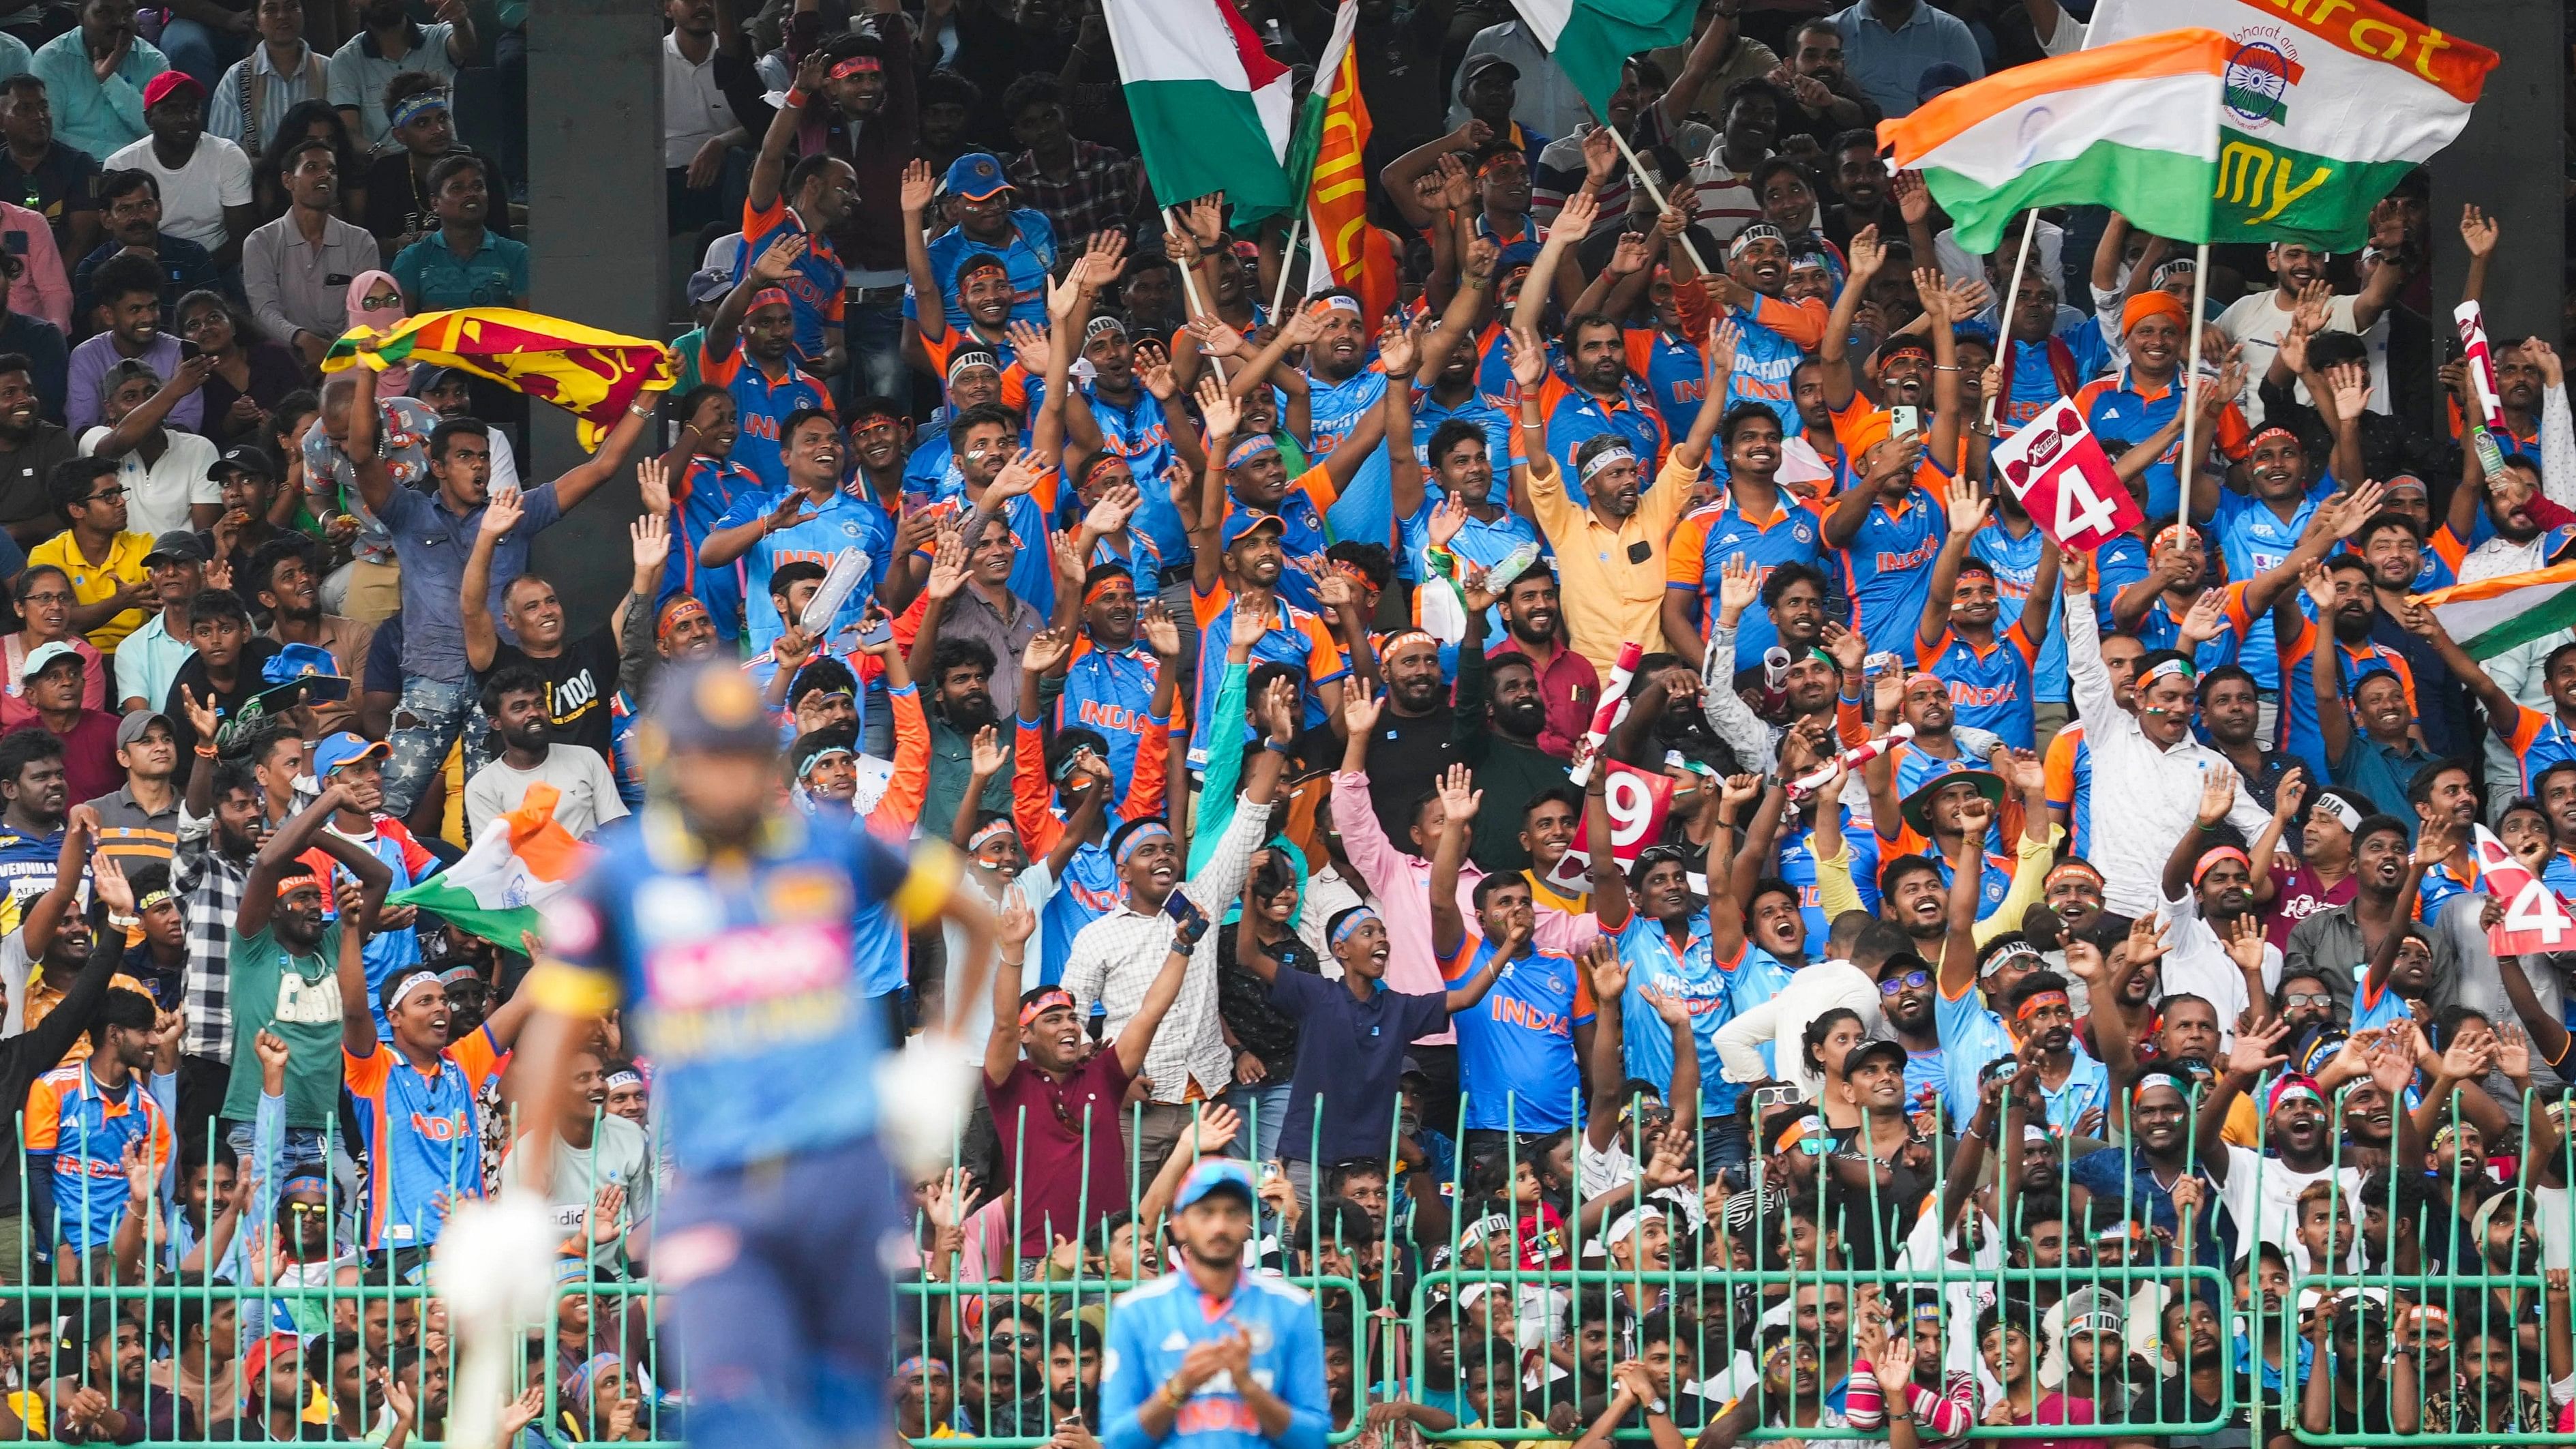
{"x":104,"y":562}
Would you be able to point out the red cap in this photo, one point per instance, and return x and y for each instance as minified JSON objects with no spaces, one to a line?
{"x":160,"y":87}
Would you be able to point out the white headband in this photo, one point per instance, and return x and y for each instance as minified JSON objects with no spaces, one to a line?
{"x":1343,"y":303}
{"x":418,"y":980}
{"x":1604,"y":459}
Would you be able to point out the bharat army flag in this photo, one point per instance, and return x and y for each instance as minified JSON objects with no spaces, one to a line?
{"x":593,"y":375}
{"x":2324,"y":107}
{"x":1328,"y":161}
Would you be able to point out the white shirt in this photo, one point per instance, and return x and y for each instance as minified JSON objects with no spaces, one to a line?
{"x":194,"y":196}
{"x":2261,"y":1191}
{"x":1782,"y":1020}
{"x":2197,"y":964}
{"x":2159,"y":788}
{"x":157,"y":495}
{"x":2257,"y":323}
{"x":589,"y":791}
{"x":974,"y":1015}
{"x":694,"y":111}
{"x":1114,"y":960}
{"x":2047,"y":255}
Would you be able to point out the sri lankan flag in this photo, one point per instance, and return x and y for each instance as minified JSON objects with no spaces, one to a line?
{"x":591,"y":374}
{"x":1329,"y":159}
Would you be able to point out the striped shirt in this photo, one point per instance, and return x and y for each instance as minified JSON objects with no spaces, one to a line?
{"x":211,"y":887}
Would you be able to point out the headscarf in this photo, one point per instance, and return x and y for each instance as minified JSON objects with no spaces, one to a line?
{"x":393,"y":381}
{"x":2156,"y":303}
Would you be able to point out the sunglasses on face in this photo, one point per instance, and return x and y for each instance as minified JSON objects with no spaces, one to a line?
{"x":2307,"y":998}
{"x":1910,"y":981}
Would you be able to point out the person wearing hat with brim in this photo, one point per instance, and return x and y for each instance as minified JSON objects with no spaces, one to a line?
{"x":254,"y":500}
{"x":139,"y":820}
{"x":149,"y":660}
{"x":984,"y":217}
{"x":979,"y":277}
{"x":165,"y":471}
{"x":704,"y":290}
{"x":50,"y":682}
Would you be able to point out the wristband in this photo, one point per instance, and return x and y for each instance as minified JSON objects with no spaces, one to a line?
{"x":796,"y":98}
{"x":1275,"y":747}
{"x":1172,"y":1395}
{"x":207,"y":752}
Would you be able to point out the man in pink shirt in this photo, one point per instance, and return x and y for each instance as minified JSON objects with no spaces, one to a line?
{"x":1399,"y":881}
{"x":43,"y":289}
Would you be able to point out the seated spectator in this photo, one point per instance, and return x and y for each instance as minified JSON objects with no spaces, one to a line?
{"x":102,"y":558}
{"x":94,"y":77}
{"x":127,"y":291}
{"x":248,"y":374}
{"x":31,"y":445}
{"x":36,"y":341}
{"x":44,"y":597}
{"x":168,"y":476}
{"x":516,"y":700}
{"x":288,"y":265}
{"x":464,"y":263}
{"x":48,"y":176}
{"x":387,"y":44}
{"x":280,"y":73}
{"x":204,"y":180}
{"x":150,"y":657}
{"x":130,"y":206}
{"x":51,"y":683}
{"x":396,"y":184}
{"x":214,"y":689}
{"x":46,"y":292}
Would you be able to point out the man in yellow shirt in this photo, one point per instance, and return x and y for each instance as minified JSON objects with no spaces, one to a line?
{"x":105,"y":562}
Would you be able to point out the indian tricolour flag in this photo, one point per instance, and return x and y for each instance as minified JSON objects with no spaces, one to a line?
{"x":1591,"y":39}
{"x":2493,"y":615}
{"x":2132,"y":126}
{"x":522,"y":860}
{"x":2326,"y":106}
{"x":1212,"y":109}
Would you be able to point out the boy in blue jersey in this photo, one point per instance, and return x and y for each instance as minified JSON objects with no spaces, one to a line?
{"x":727,"y":926}
{"x":89,"y":1123}
{"x":1518,"y":1047}
{"x":1214,"y":1356}
{"x":747,"y":352}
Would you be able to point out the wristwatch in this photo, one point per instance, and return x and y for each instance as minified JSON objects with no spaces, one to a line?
{"x":1657,"y":1409}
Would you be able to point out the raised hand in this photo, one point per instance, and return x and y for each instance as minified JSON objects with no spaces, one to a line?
{"x":649,"y":540}
{"x":1609,"y":974}
{"x":1217,"y":409}
{"x":1629,"y":257}
{"x":1396,"y":347}
{"x":653,"y":486}
{"x":919,"y":186}
{"x":1575,"y":218}
{"x":986,"y":753}
{"x":777,"y":261}
{"x":2245,"y":943}
{"x":1865,"y":255}
{"x":1528,"y":358}
{"x":1738,"y":586}
{"x":947,"y":567}
{"x":1046,"y":649}
{"x":2478,"y":231}
{"x":1360,"y":710}
{"x":1968,"y":508}
{"x":2350,"y":384}
{"x":2252,"y":1053}
{"x":1215,"y":336}
{"x":1723,"y":337}
{"x":1459,"y":796}
{"x":501,"y":513}
{"x":1162,"y":632}
{"x":1282,"y":707}
{"x":2217,"y":793}
{"x":1670,"y":1009}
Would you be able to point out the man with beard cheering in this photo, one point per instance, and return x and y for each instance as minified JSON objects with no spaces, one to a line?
{"x":1568,"y":684}
{"x":515,"y":699}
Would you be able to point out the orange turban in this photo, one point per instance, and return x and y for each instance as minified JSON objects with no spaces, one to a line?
{"x":2155,"y":301}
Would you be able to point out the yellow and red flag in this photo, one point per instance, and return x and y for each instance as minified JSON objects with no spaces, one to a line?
{"x":591,"y":374}
{"x":1333,"y":130}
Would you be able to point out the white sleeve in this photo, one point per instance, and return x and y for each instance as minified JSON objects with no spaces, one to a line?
{"x":2557,"y":448}
{"x":232,"y":175}
{"x":2067,"y":37}
{"x":1739,"y":1042}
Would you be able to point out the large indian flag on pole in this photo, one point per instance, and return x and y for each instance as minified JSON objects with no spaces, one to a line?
{"x":1212,"y":109}
{"x":522,"y":860}
{"x":1591,"y":39}
{"x":2493,"y":615}
{"x":2326,"y":106}
{"x":1328,"y":163}
{"x":2132,"y":126}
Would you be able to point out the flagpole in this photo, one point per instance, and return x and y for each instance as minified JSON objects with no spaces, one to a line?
{"x":1287,"y":254}
{"x":2187,"y":467}
{"x":1637,"y":169}
{"x":1190,"y":289}
{"x":2011,"y":300}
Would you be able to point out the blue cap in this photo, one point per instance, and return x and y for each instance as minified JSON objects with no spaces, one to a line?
{"x":297,"y":661}
{"x":1240,"y":521}
{"x":976,"y":175}
{"x":1946,"y":76}
{"x":711,"y":705}
{"x":345,"y":748}
{"x":1213,"y":1175}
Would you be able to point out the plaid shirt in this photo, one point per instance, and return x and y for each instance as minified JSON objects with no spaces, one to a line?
{"x":1104,"y":191}
{"x":210,"y":887}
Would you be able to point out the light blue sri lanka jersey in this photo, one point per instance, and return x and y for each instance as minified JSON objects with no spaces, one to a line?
{"x":742,"y":981}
